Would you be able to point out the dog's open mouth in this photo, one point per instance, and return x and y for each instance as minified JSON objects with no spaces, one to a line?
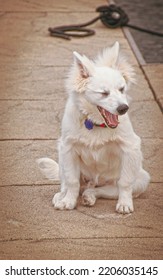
{"x":110,"y":119}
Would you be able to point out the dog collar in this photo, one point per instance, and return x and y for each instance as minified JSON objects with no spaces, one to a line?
{"x":89,"y":124}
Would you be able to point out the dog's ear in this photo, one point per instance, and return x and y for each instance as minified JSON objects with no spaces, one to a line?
{"x":109,"y":56}
{"x":114,"y":53}
{"x":121,"y":64}
{"x":85,"y":66}
{"x":112,"y":57}
{"x":126,"y":69}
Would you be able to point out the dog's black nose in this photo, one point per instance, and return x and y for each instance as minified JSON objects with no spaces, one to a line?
{"x":122,"y":109}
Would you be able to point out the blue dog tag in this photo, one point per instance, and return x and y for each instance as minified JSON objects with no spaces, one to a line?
{"x":88,"y":124}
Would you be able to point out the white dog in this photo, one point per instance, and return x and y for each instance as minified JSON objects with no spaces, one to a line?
{"x":98,"y":148}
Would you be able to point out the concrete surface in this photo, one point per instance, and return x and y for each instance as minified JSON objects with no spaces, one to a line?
{"x":33,"y":68}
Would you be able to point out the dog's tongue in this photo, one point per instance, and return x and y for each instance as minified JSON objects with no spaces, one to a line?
{"x":111,"y":120}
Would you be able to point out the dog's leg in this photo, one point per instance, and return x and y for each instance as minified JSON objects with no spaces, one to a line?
{"x":90,"y":195}
{"x":141,"y":183}
{"x":70,"y":179}
{"x":131,"y":166}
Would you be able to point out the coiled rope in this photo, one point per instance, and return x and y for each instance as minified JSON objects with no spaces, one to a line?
{"x":111,"y":16}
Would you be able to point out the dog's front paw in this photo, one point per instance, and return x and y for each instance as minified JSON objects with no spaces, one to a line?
{"x":62,"y":201}
{"x":88,"y":197}
{"x":125,"y":207}
{"x":58,"y":196}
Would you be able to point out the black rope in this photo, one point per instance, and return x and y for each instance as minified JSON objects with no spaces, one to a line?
{"x":145,"y":30}
{"x":111,"y":16}
{"x":64,"y":30}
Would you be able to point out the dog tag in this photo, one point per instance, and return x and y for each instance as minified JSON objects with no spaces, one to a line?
{"x":88,"y":124}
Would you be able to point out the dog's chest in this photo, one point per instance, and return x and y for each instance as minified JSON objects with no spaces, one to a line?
{"x":101,"y":163}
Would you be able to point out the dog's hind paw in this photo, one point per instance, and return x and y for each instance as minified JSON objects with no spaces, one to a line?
{"x":88,"y":197}
{"x":125,"y":208}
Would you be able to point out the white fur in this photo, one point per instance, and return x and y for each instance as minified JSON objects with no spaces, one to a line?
{"x":49,"y":168}
{"x":108,"y":162}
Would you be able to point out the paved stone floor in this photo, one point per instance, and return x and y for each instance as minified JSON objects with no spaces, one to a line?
{"x":33,"y":67}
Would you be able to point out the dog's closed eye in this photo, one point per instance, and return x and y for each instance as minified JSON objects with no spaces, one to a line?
{"x":105,"y":93}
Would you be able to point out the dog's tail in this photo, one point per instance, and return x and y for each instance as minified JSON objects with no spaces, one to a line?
{"x":49,"y":168}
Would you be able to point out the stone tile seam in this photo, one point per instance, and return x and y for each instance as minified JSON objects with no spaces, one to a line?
{"x":79,"y":238}
{"x":32,"y":185}
{"x":30,"y":139}
{"x":56,"y":139}
{"x":54,"y":184}
{"x":4,"y":12}
{"x":63,"y":98}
